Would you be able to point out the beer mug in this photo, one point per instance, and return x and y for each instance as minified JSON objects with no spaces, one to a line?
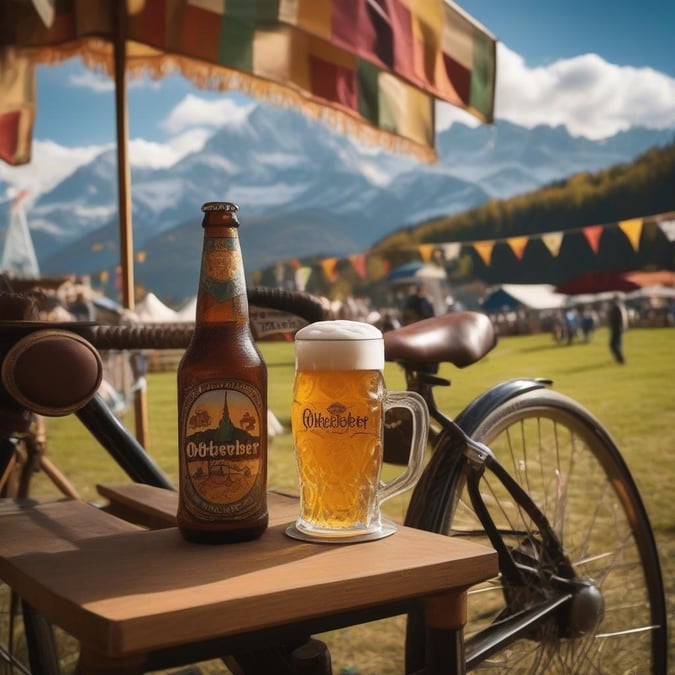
{"x":337,"y":418}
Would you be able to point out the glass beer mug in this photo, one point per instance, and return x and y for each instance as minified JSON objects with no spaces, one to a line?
{"x":337,"y":418}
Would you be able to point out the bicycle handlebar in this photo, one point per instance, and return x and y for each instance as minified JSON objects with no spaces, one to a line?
{"x":177,"y":335}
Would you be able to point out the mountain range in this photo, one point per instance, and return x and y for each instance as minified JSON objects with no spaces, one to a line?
{"x":302,"y":190}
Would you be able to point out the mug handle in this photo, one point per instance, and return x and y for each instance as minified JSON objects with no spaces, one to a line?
{"x":413,"y":402}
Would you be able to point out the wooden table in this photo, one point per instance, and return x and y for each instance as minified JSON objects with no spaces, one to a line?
{"x":142,"y":599}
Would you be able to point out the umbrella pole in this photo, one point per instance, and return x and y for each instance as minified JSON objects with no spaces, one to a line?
{"x":123,"y":170}
{"x":124,"y":198}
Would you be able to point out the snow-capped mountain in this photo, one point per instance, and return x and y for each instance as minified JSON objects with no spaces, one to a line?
{"x":304,"y":190}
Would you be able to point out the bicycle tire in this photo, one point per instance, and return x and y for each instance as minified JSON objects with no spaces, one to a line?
{"x":573,"y":470}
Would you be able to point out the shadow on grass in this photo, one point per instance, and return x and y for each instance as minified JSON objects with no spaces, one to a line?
{"x":546,"y":348}
{"x":587,"y":368}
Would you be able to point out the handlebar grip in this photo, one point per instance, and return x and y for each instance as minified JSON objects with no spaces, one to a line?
{"x":52,"y":372}
{"x":304,"y":305}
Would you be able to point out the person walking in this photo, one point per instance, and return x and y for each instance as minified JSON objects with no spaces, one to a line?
{"x":417,"y":306}
{"x":618,"y":322}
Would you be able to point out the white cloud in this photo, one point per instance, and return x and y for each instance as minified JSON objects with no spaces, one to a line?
{"x":586,"y":94}
{"x":51,"y":163}
{"x":194,"y":111}
{"x":93,"y":80}
{"x":161,"y":155}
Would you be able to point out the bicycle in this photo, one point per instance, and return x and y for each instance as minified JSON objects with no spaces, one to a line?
{"x":580,"y":587}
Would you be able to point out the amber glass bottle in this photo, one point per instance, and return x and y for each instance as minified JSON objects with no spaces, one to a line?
{"x":222,"y":399}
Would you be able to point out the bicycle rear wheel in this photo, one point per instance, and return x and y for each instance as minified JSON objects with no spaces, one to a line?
{"x":573,"y":471}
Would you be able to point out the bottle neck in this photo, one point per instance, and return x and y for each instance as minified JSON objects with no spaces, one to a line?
{"x":222,"y":284}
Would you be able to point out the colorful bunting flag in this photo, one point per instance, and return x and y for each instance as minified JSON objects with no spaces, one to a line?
{"x":426,"y":251}
{"x":668,"y":228}
{"x":447,"y":251}
{"x":553,"y":242}
{"x":484,"y":250}
{"x":518,"y":245}
{"x":633,"y":230}
{"x":451,"y":250}
{"x":328,"y":266}
{"x":302,"y":275}
{"x":358,"y":262}
{"x":593,"y":234}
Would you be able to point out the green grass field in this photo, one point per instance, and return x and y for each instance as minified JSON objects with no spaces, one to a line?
{"x":636,"y":402}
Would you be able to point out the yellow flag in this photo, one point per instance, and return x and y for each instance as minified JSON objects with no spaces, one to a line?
{"x":328,"y":265}
{"x":518,"y":245}
{"x":425,"y":251}
{"x":633,"y":230}
{"x":484,"y":250}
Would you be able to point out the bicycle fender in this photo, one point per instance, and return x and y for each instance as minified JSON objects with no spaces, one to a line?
{"x":472,"y":415}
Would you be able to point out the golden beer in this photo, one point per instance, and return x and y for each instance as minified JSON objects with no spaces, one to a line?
{"x":337,"y":426}
{"x":337,"y":415}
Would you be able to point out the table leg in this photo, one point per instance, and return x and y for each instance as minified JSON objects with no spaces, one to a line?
{"x":445,"y":618}
{"x":92,"y":662}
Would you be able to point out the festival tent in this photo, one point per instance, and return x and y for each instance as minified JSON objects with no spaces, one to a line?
{"x":152,"y":310}
{"x":509,"y":297}
{"x":188,"y":311}
{"x":18,"y":253}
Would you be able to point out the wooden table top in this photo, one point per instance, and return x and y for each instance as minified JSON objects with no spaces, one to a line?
{"x":123,"y":590}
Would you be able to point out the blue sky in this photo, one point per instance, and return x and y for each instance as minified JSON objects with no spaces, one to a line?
{"x":623,"y":32}
{"x":597,"y":67}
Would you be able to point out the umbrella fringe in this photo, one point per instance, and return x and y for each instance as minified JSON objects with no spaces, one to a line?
{"x":98,"y":55}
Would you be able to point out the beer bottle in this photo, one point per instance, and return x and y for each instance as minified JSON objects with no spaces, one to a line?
{"x":222,"y":399}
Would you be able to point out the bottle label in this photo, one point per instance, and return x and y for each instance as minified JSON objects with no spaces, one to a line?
{"x":222,"y":475}
{"x":222,"y":268}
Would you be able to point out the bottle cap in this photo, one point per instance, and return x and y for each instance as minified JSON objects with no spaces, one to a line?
{"x":220,"y":206}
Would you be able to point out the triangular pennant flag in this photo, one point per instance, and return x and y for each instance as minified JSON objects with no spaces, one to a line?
{"x":358,"y":262}
{"x":553,"y":242}
{"x":484,"y":250}
{"x":301,"y":277}
{"x":328,"y":266}
{"x":518,"y":245}
{"x":451,"y":251}
{"x":425,"y":251}
{"x":632,"y":229}
{"x":668,"y":228}
{"x":593,"y":234}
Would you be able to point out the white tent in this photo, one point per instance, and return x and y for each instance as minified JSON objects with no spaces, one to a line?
{"x":188,"y":311}
{"x":531,"y":296}
{"x":18,"y":255}
{"x":152,"y":310}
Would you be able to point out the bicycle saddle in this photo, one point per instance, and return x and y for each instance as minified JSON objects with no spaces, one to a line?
{"x":460,"y":338}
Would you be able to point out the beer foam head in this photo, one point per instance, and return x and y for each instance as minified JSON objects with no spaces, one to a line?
{"x":339,"y":345}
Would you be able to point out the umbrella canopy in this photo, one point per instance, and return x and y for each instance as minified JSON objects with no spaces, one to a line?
{"x":598,"y":282}
{"x":371,"y":68}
